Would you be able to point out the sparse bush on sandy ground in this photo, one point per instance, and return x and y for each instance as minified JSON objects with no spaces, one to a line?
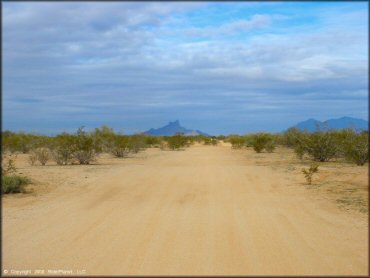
{"x":14,"y":184}
{"x":136,"y":143}
{"x":292,"y":137}
{"x":85,"y":147}
{"x":262,"y":141}
{"x":237,"y":142}
{"x":10,"y":182}
{"x":319,"y":146}
{"x":152,"y":141}
{"x":8,"y":164}
{"x":210,"y":141}
{"x":32,"y":158}
{"x":103,"y":138}
{"x":120,"y":146}
{"x":324,"y":146}
{"x":356,"y":148}
{"x":270,"y":147}
{"x":308,"y":173}
{"x":196,"y":139}
{"x":42,"y":155}
{"x":177,"y":142}
{"x":62,"y":149}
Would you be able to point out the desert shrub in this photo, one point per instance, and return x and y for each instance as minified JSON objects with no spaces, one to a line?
{"x":320,"y":146}
{"x":278,"y":138}
{"x":23,"y":142}
{"x":120,"y":146}
{"x":62,"y":156}
{"x":42,"y":155}
{"x":32,"y":158}
{"x":196,"y":139}
{"x":13,"y":184}
{"x":308,"y":173}
{"x":237,"y":142}
{"x":176,"y":142}
{"x":63,"y":148}
{"x":356,"y":148}
{"x":299,"y":150}
{"x":270,"y":147}
{"x":136,"y":143}
{"x":261,"y":141}
{"x":15,"y":142}
{"x":210,"y":141}
{"x":84,"y":147}
{"x":152,"y":141}
{"x":292,"y":137}
{"x":8,"y":165}
{"x":163,"y":145}
{"x":103,"y":138}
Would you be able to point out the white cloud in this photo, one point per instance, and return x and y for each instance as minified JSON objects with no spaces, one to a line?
{"x":130,"y":56}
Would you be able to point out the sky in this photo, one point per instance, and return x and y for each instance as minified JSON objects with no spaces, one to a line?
{"x":220,"y":67}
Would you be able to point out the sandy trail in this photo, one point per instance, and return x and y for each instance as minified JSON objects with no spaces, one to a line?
{"x":202,"y":211}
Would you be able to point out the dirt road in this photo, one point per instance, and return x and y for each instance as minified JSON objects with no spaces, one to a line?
{"x":202,"y":211}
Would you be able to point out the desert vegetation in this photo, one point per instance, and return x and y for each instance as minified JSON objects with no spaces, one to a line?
{"x":83,"y":147}
{"x":177,"y":142}
{"x":11,"y":182}
{"x":308,"y":173}
{"x":262,"y":141}
{"x":236,"y":141}
{"x":345,"y":145}
{"x":341,"y":145}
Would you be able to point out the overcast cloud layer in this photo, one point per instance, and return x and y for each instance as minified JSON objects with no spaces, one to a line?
{"x":218,"y":67}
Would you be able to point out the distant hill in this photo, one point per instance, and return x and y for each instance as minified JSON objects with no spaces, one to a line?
{"x":311,"y":125}
{"x":172,"y":128}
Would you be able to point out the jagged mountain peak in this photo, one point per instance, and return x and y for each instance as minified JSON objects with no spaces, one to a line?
{"x":173,"y":128}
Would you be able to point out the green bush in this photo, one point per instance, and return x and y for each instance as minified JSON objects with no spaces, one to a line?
{"x":13,"y":184}
{"x":19,"y":142}
{"x":356,"y":148}
{"x":237,"y":142}
{"x":292,"y":137}
{"x":261,"y":141}
{"x":152,"y":141}
{"x":299,"y":150}
{"x":320,"y":146}
{"x":84,"y":147}
{"x":210,"y":141}
{"x":63,"y":150}
{"x":308,"y":173}
{"x":136,"y":143}
{"x":103,"y":138}
{"x":120,"y":146}
{"x":177,"y":142}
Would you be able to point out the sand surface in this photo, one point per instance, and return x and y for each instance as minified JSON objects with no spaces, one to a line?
{"x":203,"y":211}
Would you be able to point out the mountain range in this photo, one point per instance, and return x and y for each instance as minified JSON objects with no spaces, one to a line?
{"x":172,"y":128}
{"x":312,"y":125}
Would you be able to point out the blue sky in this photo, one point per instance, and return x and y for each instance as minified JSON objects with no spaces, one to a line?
{"x":218,"y":67}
